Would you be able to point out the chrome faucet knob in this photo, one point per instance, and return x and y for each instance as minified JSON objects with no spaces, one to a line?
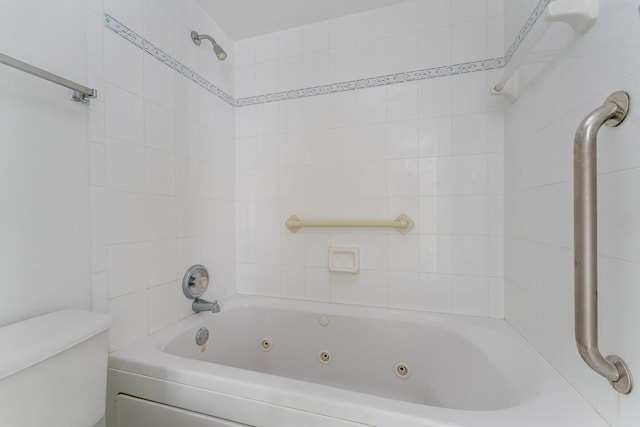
{"x":200,"y":282}
{"x":195,"y":281}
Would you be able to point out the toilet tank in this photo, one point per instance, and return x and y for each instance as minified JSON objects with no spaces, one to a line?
{"x":53,"y":370}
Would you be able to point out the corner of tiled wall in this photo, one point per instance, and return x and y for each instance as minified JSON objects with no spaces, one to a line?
{"x":573,"y":79}
{"x":162,"y":156}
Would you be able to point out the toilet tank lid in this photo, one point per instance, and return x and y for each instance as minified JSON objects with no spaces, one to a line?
{"x":25,"y":343}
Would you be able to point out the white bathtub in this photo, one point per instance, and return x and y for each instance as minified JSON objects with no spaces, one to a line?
{"x":462,"y":371}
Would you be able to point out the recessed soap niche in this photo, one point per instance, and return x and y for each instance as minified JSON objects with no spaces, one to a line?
{"x":345,"y":260}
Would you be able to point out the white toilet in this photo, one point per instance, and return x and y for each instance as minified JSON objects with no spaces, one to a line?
{"x":53,"y":370}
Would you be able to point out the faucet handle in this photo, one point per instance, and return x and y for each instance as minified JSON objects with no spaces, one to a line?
{"x":195,"y":281}
{"x":200,"y":282}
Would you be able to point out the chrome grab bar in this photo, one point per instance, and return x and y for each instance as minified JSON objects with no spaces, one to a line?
{"x":585,"y":213}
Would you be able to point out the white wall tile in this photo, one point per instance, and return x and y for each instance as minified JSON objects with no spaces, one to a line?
{"x":436,"y":215}
{"x":373,"y":288}
{"x":404,"y":290}
{"x":118,"y":51}
{"x":159,"y":127}
{"x":292,"y":281}
{"x":470,"y":295}
{"x":158,"y":82}
{"x":160,"y":217}
{"x":290,"y":74}
{"x":125,"y":217}
{"x":316,"y":37}
{"x":371,"y":26}
{"x":402,"y":53}
{"x":402,"y":19}
{"x":265,"y":48}
{"x":342,"y":32}
{"x":266,"y":77}
{"x":127,"y":269}
{"x":124,"y":166}
{"x":123,"y":115}
{"x":290,"y":43}
{"x":160,"y":172}
{"x":436,"y":176}
{"x":402,"y":102}
{"x":98,"y":250}
{"x":436,"y":292}
{"x":96,"y":164}
{"x":344,"y":288}
{"x":99,"y":292}
{"x":317,"y":284}
{"x":468,"y":10}
{"x":343,"y":64}
{"x":434,"y":14}
{"x":403,"y":176}
{"x":245,"y":52}
{"x":316,"y":68}
{"x":162,"y":257}
{"x":436,"y":254}
{"x":129,"y":313}
{"x":470,"y":174}
{"x":470,"y":214}
{"x":434,"y":97}
{"x":129,"y":12}
{"x":372,"y":58}
{"x":470,"y":255}
{"x":434,"y":47}
{"x":163,"y":306}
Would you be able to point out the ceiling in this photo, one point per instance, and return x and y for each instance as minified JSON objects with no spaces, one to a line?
{"x":243,"y":19}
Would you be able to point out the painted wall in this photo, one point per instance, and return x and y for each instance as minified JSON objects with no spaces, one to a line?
{"x":162,"y":164}
{"x":539,"y":131}
{"x":44,"y":219}
{"x":430,"y":148}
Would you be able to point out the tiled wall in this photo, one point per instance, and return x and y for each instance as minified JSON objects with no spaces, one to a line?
{"x":431,"y":148}
{"x":162,"y":165}
{"x":539,"y":132}
{"x":44,"y":220}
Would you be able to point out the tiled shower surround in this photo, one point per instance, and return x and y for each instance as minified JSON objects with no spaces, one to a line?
{"x":218,"y":182}
{"x":431,"y":148}
{"x":162,"y":156}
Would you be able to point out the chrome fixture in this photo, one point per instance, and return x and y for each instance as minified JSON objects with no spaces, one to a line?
{"x":203,"y":305}
{"x":194,"y":284}
{"x":197,"y":39}
{"x":79,"y":93}
{"x":202,"y":336}
{"x":585,"y":209}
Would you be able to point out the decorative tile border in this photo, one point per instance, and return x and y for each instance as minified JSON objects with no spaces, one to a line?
{"x":139,"y":41}
{"x":428,"y":73}
{"x":533,"y":18}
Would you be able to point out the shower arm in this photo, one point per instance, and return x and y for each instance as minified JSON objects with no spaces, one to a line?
{"x":197,"y":38}
{"x":611,"y":113}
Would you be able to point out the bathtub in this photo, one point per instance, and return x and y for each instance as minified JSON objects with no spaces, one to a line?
{"x":274,"y":363}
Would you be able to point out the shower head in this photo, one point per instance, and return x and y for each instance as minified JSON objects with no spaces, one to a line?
{"x":219,"y":51}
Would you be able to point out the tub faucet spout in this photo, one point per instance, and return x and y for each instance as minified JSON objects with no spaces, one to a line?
{"x":203,"y":305}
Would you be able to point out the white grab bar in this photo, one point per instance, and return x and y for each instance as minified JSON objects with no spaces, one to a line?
{"x":403,"y":224}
